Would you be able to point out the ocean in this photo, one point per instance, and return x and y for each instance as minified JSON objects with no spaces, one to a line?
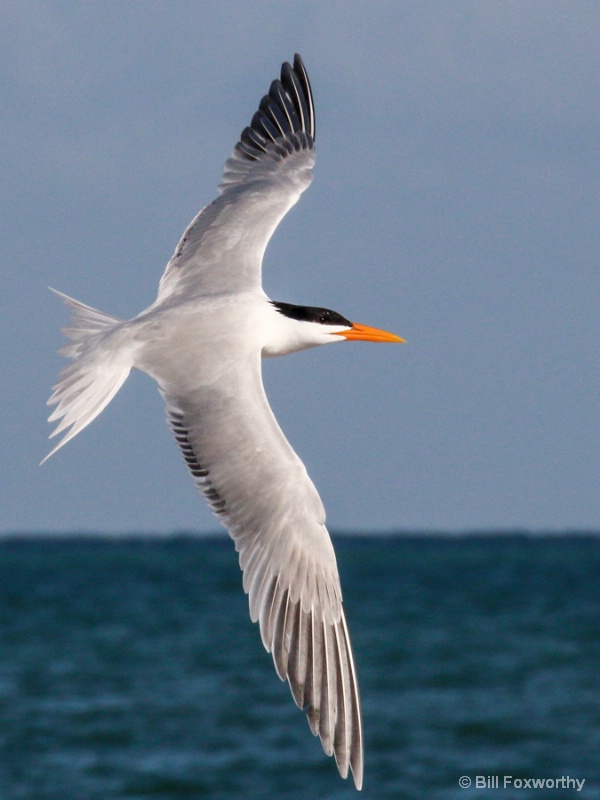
{"x":129,"y":668}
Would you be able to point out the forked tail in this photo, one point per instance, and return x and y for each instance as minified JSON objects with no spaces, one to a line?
{"x":101,"y":364}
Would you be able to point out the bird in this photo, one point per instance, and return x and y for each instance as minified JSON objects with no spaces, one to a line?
{"x":203,"y":340}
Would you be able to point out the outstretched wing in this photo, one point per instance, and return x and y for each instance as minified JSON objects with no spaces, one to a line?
{"x":259,"y":488}
{"x":271,"y":165}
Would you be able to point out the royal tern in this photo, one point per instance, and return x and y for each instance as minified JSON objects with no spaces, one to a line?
{"x":202,"y":340}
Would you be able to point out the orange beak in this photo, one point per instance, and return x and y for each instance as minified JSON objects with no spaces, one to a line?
{"x":368,"y":334}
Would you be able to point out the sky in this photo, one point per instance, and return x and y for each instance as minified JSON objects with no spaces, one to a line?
{"x":455,"y":202}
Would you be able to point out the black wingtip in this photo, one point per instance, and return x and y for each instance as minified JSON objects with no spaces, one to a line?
{"x":300,"y":71}
{"x":287,"y":111}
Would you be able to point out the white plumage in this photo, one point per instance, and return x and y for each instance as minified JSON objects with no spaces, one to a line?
{"x":202,"y":340}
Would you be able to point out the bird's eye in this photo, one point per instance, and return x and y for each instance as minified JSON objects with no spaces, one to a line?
{"x":324,"y":318}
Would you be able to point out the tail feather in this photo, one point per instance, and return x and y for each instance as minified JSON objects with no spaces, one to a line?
{"x":100,"y":367}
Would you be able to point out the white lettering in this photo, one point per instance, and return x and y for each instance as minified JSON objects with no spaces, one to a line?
{"x":493,"y":782}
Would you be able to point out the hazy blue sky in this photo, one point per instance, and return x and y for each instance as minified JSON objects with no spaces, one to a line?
{"x":456,"y":202}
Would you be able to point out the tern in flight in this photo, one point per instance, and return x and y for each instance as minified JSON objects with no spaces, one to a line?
{"x":202,"y":340}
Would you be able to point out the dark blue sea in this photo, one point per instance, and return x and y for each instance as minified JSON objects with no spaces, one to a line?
{"x":130,"y":669}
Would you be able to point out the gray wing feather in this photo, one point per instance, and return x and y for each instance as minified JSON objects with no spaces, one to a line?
{"x":260,"y":490}
{"x":270,"y":167}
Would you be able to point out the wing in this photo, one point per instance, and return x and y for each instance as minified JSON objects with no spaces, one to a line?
{"x":259,"y":488}
{"x":271,"y":165}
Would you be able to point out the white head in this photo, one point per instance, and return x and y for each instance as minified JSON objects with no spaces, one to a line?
{"x":296,"y":328}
